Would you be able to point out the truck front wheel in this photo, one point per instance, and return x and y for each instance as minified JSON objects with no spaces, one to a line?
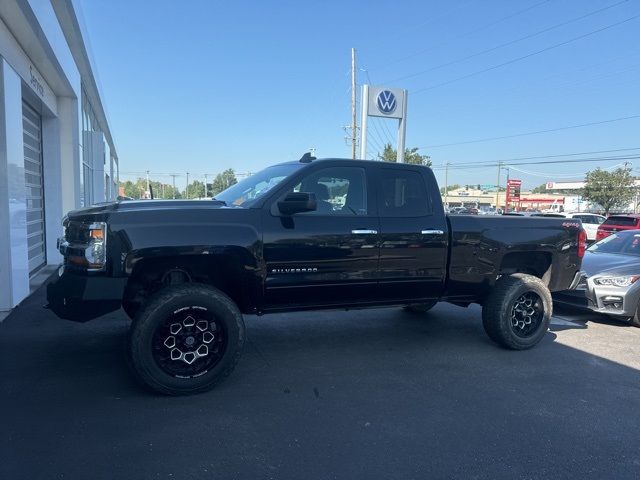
{"x":185,"y":339}
{"x":516,"y":314}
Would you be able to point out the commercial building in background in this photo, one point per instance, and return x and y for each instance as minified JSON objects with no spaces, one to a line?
{"x":56,"y":149}
{"x":463,"y":197}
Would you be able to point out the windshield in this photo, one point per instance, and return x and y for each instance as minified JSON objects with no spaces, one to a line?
{"x":243,"y":193}
{"x":626,"y":243}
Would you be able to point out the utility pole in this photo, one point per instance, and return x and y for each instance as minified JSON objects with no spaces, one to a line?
{"x":205,"y":185}
{"x":173,"y":175}
{"x":498,"y":186}
{"x":506,"y":190}
{"x":354,"y":127}
{"x":148,"y":182}
{"x":187,"y":190}
{"x":446,"y":184}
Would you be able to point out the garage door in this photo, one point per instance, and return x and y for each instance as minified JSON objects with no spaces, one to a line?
{"x":32,"y":139}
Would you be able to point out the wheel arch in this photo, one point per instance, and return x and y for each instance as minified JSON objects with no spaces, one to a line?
{"x":539,"y":264}
{"x":232,"y":270}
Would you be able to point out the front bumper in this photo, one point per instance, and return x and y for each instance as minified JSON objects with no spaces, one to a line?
{"x":610,"y":300}
{"x":78,"y":297}
{"x":605,"y":299}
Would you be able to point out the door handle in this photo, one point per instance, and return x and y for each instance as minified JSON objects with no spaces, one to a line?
{"x":364,"y":231}
{"x":432,"y":232}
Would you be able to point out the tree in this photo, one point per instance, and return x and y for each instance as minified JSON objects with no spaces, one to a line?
{"x":540,"y":189}
{"x":195,"y":189}
{"x":610,"y":190}
{"x":455,"y":186}
{"x":411,"y":155}
{"x":223,"y":181}
{"x":137,"y":189}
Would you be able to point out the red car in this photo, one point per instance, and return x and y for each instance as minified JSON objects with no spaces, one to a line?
{"x":617,"y":223}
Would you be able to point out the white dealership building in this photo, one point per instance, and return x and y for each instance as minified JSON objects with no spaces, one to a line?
{"x":56,"y":149}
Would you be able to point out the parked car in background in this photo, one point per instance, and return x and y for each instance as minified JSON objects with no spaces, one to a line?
{"x":609,"y":285}
{"x":459,"y":210}
{"x":551,"y":215}
{"x":590,"y":221}
{"x":618,"y":223}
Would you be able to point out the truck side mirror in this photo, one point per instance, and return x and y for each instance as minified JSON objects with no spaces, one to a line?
{"x":297,"y":202}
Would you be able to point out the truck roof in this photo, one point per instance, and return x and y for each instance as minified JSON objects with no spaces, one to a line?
{"x":348,"y":160}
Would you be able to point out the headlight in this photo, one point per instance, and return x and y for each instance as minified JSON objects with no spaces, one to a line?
{"x":87,"y":246}
{"x":96,"y":253}
{"x":622,"y":281}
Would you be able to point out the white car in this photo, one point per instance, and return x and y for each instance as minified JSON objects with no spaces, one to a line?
{"x":590,"y":221}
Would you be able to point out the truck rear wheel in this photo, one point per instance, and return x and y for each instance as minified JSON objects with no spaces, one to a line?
{"x":420,"y":307}
{"x":185,"y":339}
{"x":516,"y":314}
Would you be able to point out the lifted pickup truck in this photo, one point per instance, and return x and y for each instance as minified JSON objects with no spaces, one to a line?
{"x":310,"y":234}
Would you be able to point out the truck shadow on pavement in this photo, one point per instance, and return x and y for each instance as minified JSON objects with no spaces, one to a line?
{"x":337,"y":390}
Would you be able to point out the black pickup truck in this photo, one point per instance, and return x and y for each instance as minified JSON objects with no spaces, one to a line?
{"x":310,"y":234}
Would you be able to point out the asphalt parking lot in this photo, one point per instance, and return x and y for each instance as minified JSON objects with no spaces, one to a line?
{"x":360,"y":394}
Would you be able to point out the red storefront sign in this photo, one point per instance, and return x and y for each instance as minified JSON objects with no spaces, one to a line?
{"x":513,"y":190}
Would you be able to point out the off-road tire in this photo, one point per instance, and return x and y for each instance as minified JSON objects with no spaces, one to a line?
{"x":420,"y":307}
{"x":154,"y":315}
{"x":498,"y":311}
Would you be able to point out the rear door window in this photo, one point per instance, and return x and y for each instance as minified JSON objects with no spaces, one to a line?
{"x":588,"y":219}
{"x":403,"y":193}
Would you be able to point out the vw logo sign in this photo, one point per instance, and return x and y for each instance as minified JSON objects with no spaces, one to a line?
{"x":386,"y":102}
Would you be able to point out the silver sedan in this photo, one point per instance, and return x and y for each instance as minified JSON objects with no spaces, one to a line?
{"x":611,"y":273}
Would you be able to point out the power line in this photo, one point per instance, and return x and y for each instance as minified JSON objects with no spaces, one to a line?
{"x":514,"y":60}
{"x":558,"y":175}
{"x":549,"y":162}
{"x":587,"y":159}
{"x":506,"y":44}
{"x":374,"y":146}
{"x":371,"y":139}
{"x":489,"y":139}
{"x":466,"y":34}
{"x":557,"y":155}
{"x":402,"y":32}
{"x":377,"y":132}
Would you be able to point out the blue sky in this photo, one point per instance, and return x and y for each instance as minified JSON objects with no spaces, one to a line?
{"x":202,"y":86}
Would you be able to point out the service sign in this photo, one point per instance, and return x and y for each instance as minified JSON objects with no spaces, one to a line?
{"x":386,"y":102}
{"x":513,"y":190}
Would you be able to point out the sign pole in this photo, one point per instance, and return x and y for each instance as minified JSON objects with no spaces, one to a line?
{"x":402,"y":129}
{"x":364,"y":100}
